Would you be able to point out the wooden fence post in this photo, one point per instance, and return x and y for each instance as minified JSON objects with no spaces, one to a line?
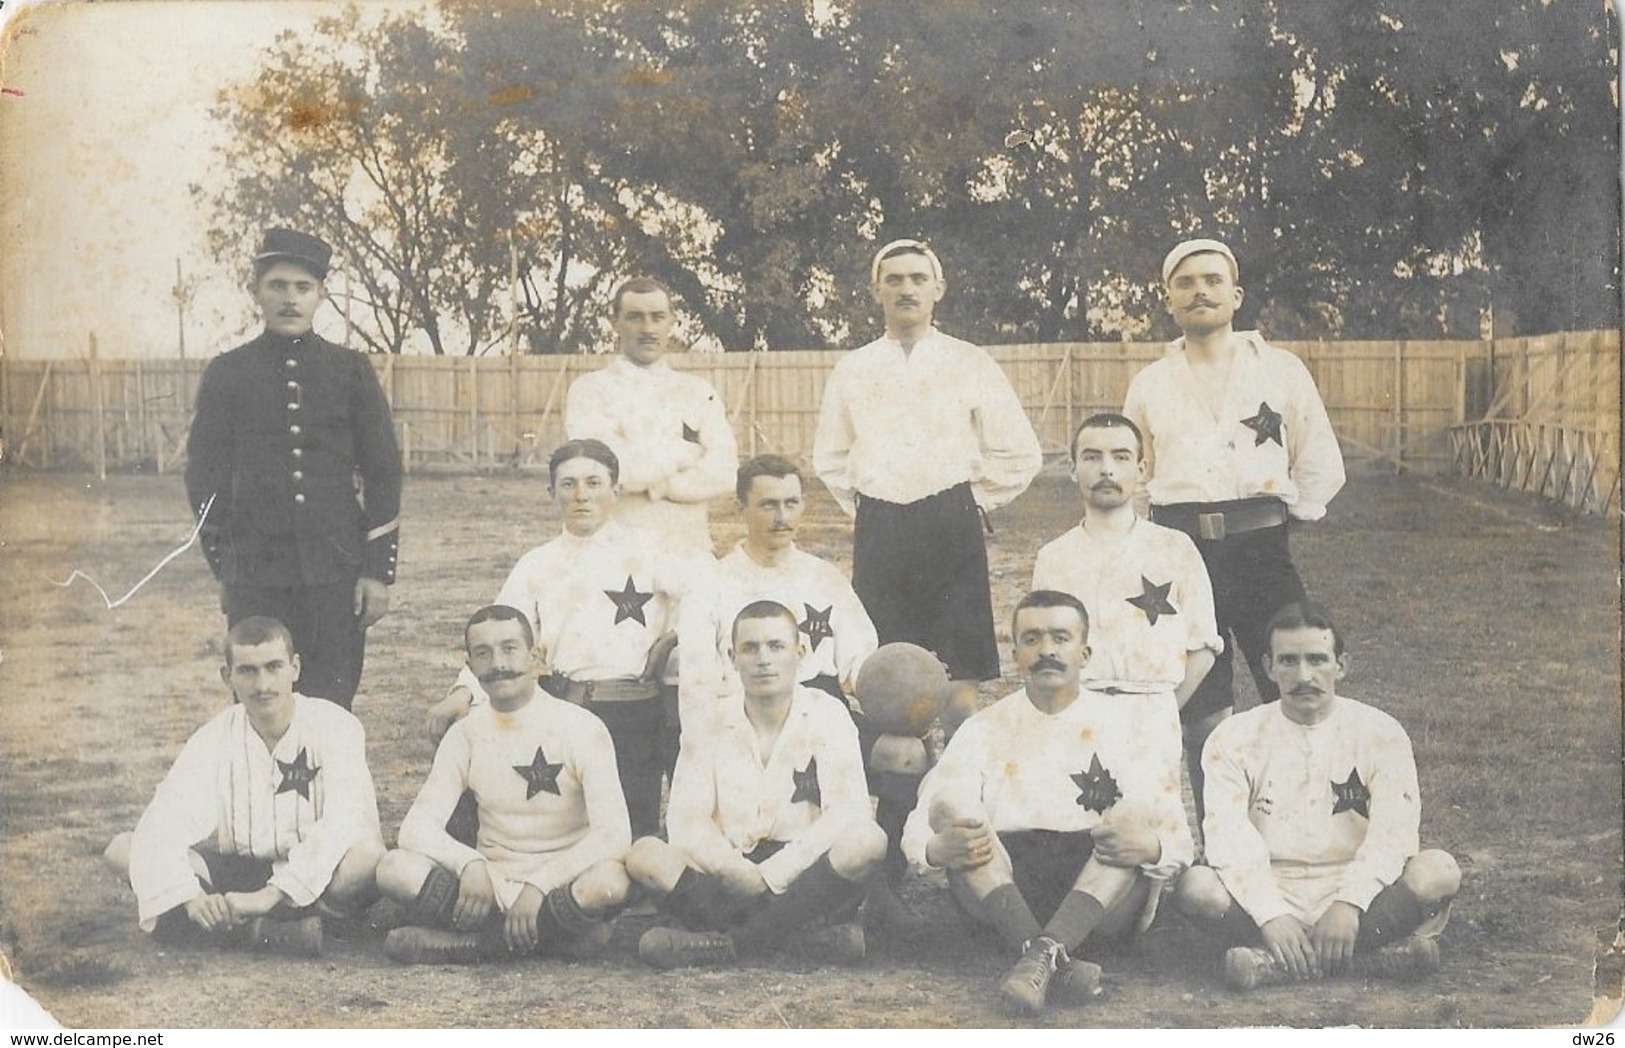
{"x":96,"y":420}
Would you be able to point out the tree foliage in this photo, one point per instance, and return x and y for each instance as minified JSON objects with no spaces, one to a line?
{"x":1382,"y":169}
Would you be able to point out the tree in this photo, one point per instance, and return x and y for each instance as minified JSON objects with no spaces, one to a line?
{"x":1381,"y":168}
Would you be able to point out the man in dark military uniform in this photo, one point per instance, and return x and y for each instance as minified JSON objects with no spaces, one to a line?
{"x":292,"y":439}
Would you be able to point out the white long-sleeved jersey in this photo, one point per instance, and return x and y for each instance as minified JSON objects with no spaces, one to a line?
{"x":1065,"y":771}
{"x":1301,"y":816}
{"x":549,"y":796}
{"x":727,"y":797}
{"x":299,"y":805}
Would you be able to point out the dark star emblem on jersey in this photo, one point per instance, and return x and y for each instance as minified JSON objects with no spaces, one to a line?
{"x":629,"y":603}
{"x":816,"y":625}
{"x":297,"y":774}
{"x":1266,"y":425}
{"x":807,"y":784}
{"x":539,"y":775}
{"x":1097,"y":790}
{"x":690,"y":434}
{"x":1352,"y":795}
{"x":1154,"y":601}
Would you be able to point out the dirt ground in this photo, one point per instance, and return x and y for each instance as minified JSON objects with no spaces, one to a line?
{"x":1487,"y":624}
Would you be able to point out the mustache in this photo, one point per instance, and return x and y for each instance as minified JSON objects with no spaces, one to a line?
{"x":1047,"y":663}
{"x":499,"y":675}
{"x":1107,"y":485}
{"x":1305,"y":689}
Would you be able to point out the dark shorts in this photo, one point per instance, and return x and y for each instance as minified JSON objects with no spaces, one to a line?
{"x":712,"y":908}
{"x":227,"y":873}
{"x":236,"y":873}
{"x":1253,"y":577}
{"x":1046,"y":865}
{"x":921,"y":571}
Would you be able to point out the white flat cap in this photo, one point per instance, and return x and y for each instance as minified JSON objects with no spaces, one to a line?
{"x":1186,"y":248}
{"x":915,"y":246}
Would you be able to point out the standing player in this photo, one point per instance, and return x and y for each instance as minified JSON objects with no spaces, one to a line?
{"x":546,"y":869}
{"x":769,"y":818}
{"x":1312,"y":828}
{"x":919,"y":436}
{"x":1150,"y":604}
{"x":1237,"y":444}
{"x":668,"y":429}
{"x":1056,"y":810}
{"x":292,"y":440}
{"x":266,"y":819}
{"x":602,"y":600}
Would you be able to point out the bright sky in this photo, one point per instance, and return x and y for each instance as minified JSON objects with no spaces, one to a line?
{"x":103,"y":127}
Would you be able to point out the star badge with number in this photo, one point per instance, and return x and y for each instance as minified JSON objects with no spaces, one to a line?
{"x":297,"y":774}
{"x":806,"y":782}
{"x":1154,"y":600}
{"x":1097,"y":790}
{"x":629,"y":603}
{"x":539,"y":775}
{"x":1352,"y":795}
{"x":816,"y":625}
{"x":1266,"y":425}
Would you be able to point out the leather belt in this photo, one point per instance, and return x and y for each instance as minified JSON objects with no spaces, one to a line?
{"x":583,"y":692}
{"x":1215,"y":520}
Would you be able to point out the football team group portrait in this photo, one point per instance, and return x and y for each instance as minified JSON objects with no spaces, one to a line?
{"x":1098,"y":563}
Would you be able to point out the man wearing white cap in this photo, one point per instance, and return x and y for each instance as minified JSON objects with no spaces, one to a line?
{"x":1237,"y":444}
{"x":920,"y":435}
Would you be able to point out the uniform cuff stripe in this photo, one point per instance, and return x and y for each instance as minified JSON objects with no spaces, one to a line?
{"x":384,"y":529}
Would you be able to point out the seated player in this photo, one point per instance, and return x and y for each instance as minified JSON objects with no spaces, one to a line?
{"x":267,"y":819}
{"x":769,"y":818}
{"x":602,"y":600}
{"x":546,"y":869}
{"x":837,"y":638}
{"x":1312,"y":828}
{"x":1055,"y":811}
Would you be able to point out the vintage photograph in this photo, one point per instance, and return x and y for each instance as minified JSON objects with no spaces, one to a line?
{"x":836,"y":514}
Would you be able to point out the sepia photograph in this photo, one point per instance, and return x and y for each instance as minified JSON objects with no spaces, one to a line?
{"x":574,"y":514}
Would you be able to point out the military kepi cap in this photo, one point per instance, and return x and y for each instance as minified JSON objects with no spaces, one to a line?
{"x":1186,"y":248}
{"x":297,"y":247}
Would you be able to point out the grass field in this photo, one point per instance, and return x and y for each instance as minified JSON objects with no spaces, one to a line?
{"x":1487,"y":624}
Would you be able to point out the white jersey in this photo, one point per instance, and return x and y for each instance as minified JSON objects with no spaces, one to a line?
{"x":1065,"y":771}
{"x":1149,"y":600}
{"x":1271,"y":437}
{"x":904,"y":426}
{"x":1301,"y":816}
{"x":727,"y":797}
{"x":549,"y":796}
{"x":300,"y":805}
{"x":672,"y":439}
{"x":835,"y":628}
{"x":597,"y":604}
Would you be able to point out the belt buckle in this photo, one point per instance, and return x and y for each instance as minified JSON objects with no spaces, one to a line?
{"x":1210,"y":526}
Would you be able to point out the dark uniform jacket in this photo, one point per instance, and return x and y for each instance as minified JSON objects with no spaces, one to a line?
{"x":293,"y":439}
